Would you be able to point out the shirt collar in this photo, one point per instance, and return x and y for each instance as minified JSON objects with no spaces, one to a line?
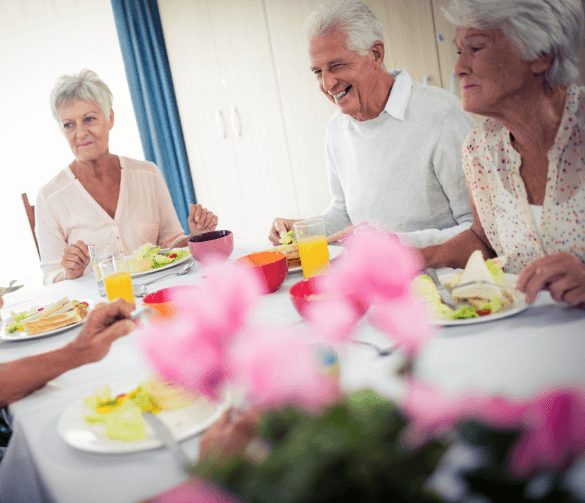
{"x":399,"y":95}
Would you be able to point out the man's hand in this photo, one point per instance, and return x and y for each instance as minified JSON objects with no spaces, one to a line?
{"x":75,"y":259}
{"x":562,"y":274}
{"x":104,"y":324}
{"x":230,"y":434}
{"x":201,"y":219}
{"x":280,"y":226}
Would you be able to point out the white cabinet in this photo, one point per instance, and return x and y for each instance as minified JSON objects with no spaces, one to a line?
{"x":221,"y":61}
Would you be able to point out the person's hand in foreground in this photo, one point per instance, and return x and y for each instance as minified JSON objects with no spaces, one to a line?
{"x":201,"y":219}
{"x":280,"y":226}
{"x":75,"y":259}
{"x":230,"y":434}
{"x":105,"y":324}
{"x":562,"y":274}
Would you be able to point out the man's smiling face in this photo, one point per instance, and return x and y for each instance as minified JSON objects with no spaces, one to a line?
{"x":347,"y":78}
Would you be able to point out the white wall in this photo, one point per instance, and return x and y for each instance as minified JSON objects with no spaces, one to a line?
{"x":39,"y":41}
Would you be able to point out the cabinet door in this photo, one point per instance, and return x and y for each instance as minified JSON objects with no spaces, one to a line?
{"x":445,"y":47}
{"x":203,"y":111}
{"x":254,"y":109}
{"x":409,"y":37}
{"x":305,"y":109}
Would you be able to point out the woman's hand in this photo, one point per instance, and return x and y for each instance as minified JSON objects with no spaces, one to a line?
{"x":75,"y":259}
{"x":201,"y":219}
{"x":562,"y":274}
{"x":280,"y":226}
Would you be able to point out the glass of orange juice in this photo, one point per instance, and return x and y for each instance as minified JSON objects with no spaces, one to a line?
{"x":312,"y":242}
{"x":117,"y":280}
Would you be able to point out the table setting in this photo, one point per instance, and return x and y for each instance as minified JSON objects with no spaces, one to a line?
{"x":377,"y":339}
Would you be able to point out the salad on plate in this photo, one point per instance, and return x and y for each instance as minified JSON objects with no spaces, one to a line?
{"x":149,"y":257}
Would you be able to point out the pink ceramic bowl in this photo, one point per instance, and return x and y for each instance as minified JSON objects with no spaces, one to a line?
{"x":305,"y":292}
{"x":270,"y":266}
{"x":217,"y":245}
{"x":162,"y":300}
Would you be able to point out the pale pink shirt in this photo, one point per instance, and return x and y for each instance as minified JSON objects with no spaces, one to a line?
{"x":492,"y":169}
{"x":65,"y":213}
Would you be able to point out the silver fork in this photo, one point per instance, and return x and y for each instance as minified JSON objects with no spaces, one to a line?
{"x":379,"y":350}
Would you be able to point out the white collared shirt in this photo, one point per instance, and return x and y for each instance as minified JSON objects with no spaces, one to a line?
{"x":402,"y":169}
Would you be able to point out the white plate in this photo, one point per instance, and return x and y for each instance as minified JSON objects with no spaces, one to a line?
{"x":334,"y":252}
{"x":23,"y":336}
{"x":164,"y":267}
{"x":515,"y":307}
{"x":183,"y":423}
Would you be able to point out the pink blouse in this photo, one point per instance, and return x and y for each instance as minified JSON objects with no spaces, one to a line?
{"x":492,"y":169}
{"x":65,"y":213}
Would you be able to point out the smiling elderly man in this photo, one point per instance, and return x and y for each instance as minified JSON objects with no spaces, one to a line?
{"x":394,"y":146}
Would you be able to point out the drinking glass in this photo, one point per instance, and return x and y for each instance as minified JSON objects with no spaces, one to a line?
{"x":312,"y":242}
{"x":117,"y":280}
{"x":97,"y":254}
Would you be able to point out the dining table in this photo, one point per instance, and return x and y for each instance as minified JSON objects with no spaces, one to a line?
{"x":519,"y":356}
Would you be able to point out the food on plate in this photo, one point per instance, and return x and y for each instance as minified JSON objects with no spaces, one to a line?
{"x":121,"y":415}
{"x":288,"y":238}
{"x":149,"y":256}
{"x":43,"y":319}
{"x":167,"y":396}
{"x":485,"y":296}
{"x":293,"y":259}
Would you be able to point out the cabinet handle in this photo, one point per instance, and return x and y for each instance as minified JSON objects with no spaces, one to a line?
{"x":220,"y":124}
{"x":236,"y":124}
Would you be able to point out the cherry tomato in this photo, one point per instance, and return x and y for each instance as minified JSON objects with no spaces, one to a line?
{"x":483,"y":312}
{"x":173,"y":255}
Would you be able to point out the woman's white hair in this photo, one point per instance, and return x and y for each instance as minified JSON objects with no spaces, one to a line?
{"x":86,"y":85}
{"x":353,"y":17}
{"x":534,"y":27}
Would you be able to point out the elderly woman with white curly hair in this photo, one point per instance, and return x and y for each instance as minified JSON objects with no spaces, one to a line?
{"x":100,"y":197}
{"x":525,"y":164}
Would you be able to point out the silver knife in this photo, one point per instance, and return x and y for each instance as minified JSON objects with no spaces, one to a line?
{"x":165,"y":435}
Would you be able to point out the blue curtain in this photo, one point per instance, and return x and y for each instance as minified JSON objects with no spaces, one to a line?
{"x":153,"y":96}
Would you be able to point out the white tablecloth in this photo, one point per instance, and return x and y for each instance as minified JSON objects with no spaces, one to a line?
{"x":541,"y":347}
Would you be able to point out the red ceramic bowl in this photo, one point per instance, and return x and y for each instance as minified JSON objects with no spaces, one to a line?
{"x":162,"y":302}
{"x":269,"y":265}
{"x":305,"y":292}
{"x":217,"y":245}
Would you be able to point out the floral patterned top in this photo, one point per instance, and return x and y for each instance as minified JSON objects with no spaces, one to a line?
{"x":492,"y":169}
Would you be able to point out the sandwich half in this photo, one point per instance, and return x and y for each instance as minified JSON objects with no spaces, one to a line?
{"x":59,"y":314}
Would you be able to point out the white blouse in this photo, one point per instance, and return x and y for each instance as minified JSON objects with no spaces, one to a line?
{"x":492,"y":169}
{"x":65,"y":213}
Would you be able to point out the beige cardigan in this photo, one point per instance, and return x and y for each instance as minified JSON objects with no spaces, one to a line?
{"x":65,"y":213}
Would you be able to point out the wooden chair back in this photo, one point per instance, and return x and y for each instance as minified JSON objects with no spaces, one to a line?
{"x":30,"y":213}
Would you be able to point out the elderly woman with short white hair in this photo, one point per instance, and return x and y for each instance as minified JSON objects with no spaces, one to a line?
{"x":101,"y":198}
{"x":525,"y":164}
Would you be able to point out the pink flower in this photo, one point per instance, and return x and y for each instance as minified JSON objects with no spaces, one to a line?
{"x":555,"y":432}
{"x":195,"y":491}
{"x":334,"y":319}
{"x":405,"y":321}
{"x":375,"y":267}
{"x":277,"y":368}
{"x":190,"y":348}
{"x":432,"y":413}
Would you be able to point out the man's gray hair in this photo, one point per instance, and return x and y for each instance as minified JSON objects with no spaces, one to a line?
{"x":534,"y":27}
{"x":86,"y":85}
{"x":353,"y":17}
